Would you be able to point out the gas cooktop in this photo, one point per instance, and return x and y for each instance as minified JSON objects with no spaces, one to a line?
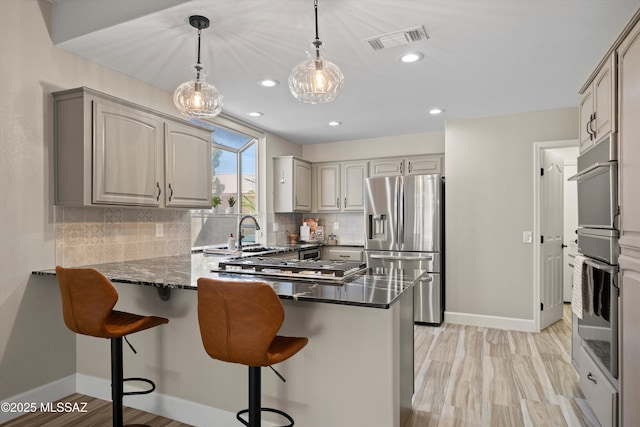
{"x":332,"y":271}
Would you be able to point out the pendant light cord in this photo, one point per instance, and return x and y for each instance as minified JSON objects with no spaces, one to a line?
{"x":317,"y":43}
{"x":198,"y":66}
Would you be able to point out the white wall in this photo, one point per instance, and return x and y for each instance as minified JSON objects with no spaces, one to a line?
{"x":489,"y":203}
{"x":392,"y":146}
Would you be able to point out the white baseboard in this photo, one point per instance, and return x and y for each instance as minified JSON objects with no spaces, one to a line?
{"x":184,"y":411}
{"x":174,"y":408}
{"x":47,"y":393}
{"x":508,"y":323}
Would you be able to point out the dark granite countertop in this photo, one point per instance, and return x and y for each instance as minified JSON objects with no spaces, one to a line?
{"x":375,"y":287}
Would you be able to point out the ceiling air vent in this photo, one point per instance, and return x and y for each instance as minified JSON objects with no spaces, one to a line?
{"x":397,"y":38}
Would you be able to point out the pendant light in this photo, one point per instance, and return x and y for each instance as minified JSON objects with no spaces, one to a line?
{"x":197,"y":98}
{"x":315,"y":80}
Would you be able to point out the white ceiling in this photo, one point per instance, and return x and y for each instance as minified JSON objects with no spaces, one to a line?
{"x":483,"y":58}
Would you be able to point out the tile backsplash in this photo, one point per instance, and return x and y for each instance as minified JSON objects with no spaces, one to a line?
{"x":94,"y":235}
{"x":350,"y":226}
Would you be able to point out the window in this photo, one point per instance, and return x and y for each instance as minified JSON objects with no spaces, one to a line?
{"x":234,"y":183}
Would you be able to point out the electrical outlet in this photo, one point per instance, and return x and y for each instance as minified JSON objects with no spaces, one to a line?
{"x":276,"y":226}
{"x":159,"y":230}
{"x":527,"y":237}
{"x":336,"y":225}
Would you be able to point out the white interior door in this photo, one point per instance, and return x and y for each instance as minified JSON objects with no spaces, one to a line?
{"x":570,"y":227}
{"x":552,"y":232}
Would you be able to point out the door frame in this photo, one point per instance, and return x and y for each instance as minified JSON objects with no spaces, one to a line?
{"x":538,"y":148}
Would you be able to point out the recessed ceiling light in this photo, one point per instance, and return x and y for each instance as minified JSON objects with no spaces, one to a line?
{"x":411,"y":57}
{"x":268,"y":82}
{"x":335,"y":123}
{"x":435,"y":111}
{"x":255,"y":114}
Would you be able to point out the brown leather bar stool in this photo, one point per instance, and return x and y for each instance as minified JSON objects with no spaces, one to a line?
{"x":238,"y":323}
{"x":88,"y":299}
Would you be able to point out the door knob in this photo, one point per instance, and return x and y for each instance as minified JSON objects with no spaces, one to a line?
{"x":563,"y":246}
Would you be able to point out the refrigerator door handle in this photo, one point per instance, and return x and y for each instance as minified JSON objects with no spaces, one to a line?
{"x":403,"y":258}
{"x":400,"y":192}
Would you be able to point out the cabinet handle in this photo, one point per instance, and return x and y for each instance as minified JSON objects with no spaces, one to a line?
{"x":591,"y":378}
{"x":170,"y":194}
{"x":409,"y":167}
{"x":159,"y":192}
{"x":401,"y":167}
{"x":296,"y":202}
{"x":338,"y":202}
{"x":344,"y":256}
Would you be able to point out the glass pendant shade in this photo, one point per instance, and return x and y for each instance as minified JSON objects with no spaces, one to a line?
{"x":197,"y":98}
{"x":315,"y":80}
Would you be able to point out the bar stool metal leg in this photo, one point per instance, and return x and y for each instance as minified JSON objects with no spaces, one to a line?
{"x":254,"y":396}
{"x":117,"y":386}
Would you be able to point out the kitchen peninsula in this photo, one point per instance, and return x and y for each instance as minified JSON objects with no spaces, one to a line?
{"x":360,"y":347}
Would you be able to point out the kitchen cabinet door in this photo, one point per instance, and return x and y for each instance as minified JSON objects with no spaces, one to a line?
{"x":187,"y":166}
{"x":127,"y":155}
{"x":387,"y":167}
{"x":328,"y":187}
{"x":605,"y":106}
{"x":629,"y":139}
{"x":292,"y":185}
{"x":353,"y":176}
{"x":302,"y":185}
{"x":424,"y":165}
{"x":629,"y":339}
{"x":598,"y":106}
{"x":586,"y":116}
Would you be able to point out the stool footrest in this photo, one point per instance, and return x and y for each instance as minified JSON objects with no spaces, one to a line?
{"x":144,"y":380}
{"x":276,"y":411}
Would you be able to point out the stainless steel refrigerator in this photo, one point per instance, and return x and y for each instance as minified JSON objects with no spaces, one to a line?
{"x":404,"y":221}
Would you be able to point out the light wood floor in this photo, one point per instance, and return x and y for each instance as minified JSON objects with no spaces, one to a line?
{"x":471,"y":376}
{"x":465,"y":376}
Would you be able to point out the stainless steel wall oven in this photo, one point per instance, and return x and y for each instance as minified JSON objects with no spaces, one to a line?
{"x":598,"y":234}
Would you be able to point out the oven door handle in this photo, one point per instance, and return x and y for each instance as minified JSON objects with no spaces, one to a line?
{"x":590,"y":172}
{"x":601,"y":265}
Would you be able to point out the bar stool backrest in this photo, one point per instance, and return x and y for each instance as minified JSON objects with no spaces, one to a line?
{"x":238,"y":320}
{"x":88,"y":298}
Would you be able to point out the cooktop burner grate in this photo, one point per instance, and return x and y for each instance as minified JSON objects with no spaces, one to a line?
{"x":335,"y":268}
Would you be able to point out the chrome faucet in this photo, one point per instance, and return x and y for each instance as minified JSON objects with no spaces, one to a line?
{"x":240,"y":229}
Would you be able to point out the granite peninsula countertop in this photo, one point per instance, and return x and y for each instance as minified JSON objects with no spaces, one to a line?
{"x":375,"y":287}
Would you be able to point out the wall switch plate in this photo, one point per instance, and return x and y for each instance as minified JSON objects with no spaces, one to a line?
{"x":276,"y":226}
{"x":159,"y":230}
{"x":527,"y":237}
{"x":336,"y":225}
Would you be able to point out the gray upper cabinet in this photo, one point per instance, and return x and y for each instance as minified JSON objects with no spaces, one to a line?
{"x":598,"y":106}
{"x":340,"y":185}
{"x":291,"y":185}
{"x":398,"y":166}
{"x":111,"y":152}
{"x":187,"y":166}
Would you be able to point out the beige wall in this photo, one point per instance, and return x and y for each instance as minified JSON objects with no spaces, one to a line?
{"x":392,"y":146}
{"x":35,"y":346}
{"x":489,"y":164}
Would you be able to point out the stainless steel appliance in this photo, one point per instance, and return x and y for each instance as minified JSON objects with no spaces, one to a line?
{"x":598,"y":212}
{"x":312,"y":253}
{"x":315,"y":270}
{"x":404,"y":224}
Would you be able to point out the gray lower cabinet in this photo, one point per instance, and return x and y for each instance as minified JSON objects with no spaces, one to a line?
{"x":112,"y":152}
{"x":342,"y":253}
{"x":599,"y":392}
